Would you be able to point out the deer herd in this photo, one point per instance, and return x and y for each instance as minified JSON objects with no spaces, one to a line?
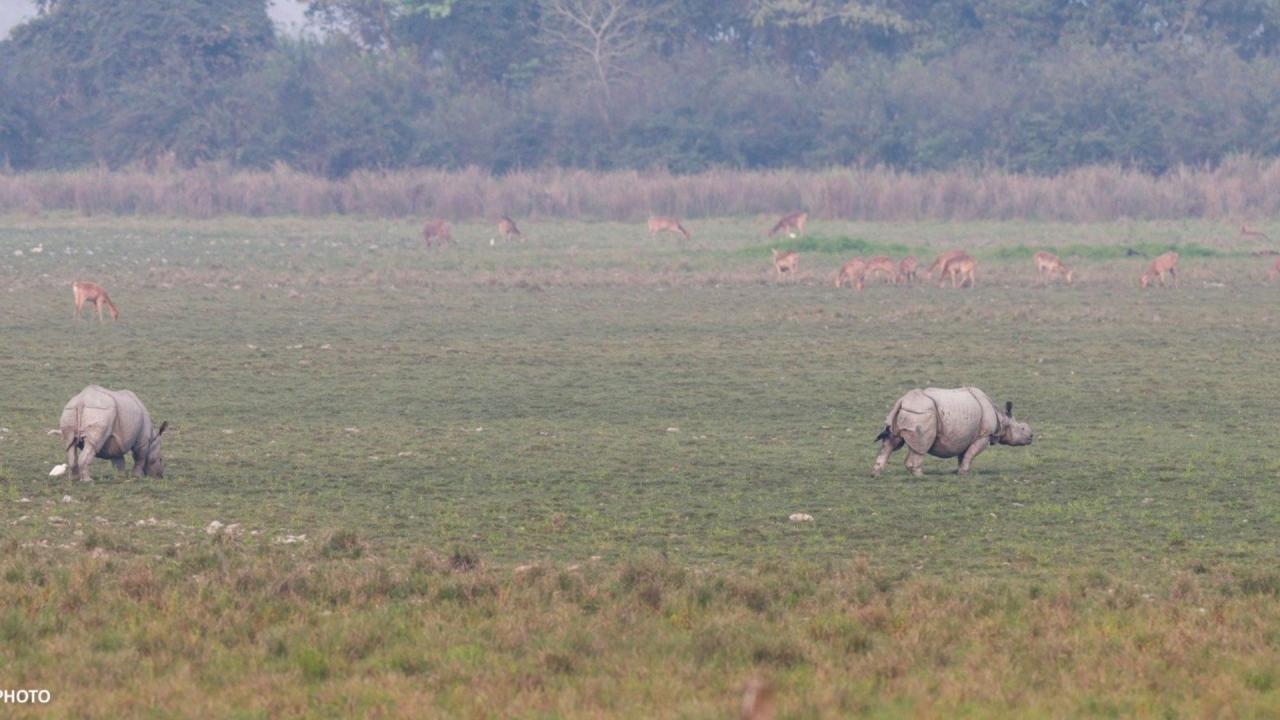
{"x":954,"y":267}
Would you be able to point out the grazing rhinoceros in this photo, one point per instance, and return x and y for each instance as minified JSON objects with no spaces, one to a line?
{"x":107,"y":424}
{"x":957,"y":423}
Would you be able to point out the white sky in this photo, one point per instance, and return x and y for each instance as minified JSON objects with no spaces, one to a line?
{"x":288,"y":14}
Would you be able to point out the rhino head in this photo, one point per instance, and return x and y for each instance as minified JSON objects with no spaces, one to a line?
{"x":153,"y":465}
{"x":1013,"y":432}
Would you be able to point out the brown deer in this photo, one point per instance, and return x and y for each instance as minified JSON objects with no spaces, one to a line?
{"x":92,"y":292}
{"x":659,"y":224}
{"x":907,"y":270}
{"x":507,"y":228}
{"x":1274,"y":271}
{"x":1048,"y":265}
{"x":852,"y":273}
{"x":1250,"y":232}
{"x":940,"y":262}
{"x":883,"y":266}
{"x":960,"y":270}
{"x":792,"y":223}
{"x":437,"y":230}
{"x":1162,"y":265}
{"x":786,"y":262}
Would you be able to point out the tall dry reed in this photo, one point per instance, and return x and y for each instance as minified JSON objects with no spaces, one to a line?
{"x":1241,"y":187}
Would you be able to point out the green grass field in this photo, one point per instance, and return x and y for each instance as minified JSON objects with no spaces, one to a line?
{"x":553,"y":479}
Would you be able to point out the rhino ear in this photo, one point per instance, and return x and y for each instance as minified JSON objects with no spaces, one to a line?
{"x":1008,"y":408}
{"x":163,"y":426}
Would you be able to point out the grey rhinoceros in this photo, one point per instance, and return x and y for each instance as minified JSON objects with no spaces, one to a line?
{"x":107,"y":424}
{"x":958,"y":422}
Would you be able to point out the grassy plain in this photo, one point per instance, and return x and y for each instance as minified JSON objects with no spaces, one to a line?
{"x":554,"y":478}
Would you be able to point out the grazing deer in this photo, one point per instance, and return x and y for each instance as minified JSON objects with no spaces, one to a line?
{"x":1274,"y":271}
{"x":1162,"y":265}
{"x":940,"y":262}
{"x":784,"y":262}
{"x":883,"y":266}
{"x":852,"y":273}
{"x":92,"y":292}
{"x":1250,"y":232}
{"x":792,"y":223}
{"x":1048,"y":265}
{"x":659,"y":224}
{"x":437,"y":230}
{"x":507,"y":228}
{"x":960,"y":270}
{"x":907,"y":270}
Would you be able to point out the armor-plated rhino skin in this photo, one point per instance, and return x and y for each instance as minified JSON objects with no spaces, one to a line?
{"x":108,"y":424}
{"x":959,"y":423}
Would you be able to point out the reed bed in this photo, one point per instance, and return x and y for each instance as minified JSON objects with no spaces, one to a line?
{"x":1242,"y":187}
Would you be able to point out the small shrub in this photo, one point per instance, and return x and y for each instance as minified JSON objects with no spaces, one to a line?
{"x":343,"y":544}
{"x":312,"y":663}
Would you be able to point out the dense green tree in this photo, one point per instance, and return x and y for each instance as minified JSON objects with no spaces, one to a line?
{"x":1033,"y":85}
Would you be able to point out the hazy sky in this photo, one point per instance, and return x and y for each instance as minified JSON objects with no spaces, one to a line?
{"x":286,"y":13}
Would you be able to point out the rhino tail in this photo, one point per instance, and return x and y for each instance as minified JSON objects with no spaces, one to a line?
{"x":885,"y":434}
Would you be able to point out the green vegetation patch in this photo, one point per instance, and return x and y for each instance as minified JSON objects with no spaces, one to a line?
{"x":834,"y":245}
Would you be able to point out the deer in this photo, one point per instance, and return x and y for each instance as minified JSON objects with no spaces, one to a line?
{"x":86,"y":292}
{"x":940,"y":262}
{"x":961,"y":271}
{"x":793,"y":223}
{"x":437,"y":230}
{"x":784,"y":262}
{"x":883,"y":266}
{"x":660,"y":223}
{"x":507,"y":228}
{"x":1048,"y":265}
{"x":907,"y":270}
{"x":1247,"y":231}
{"x":1162,"y":265}
{"x":852,"y":273}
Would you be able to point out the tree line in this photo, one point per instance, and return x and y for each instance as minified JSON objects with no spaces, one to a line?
{"x":1037,"y":86}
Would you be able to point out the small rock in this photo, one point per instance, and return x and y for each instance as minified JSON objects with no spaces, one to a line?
{"x":673,"y":429}
{"x":58,"y":470}
{"x":67,"y":499}
{"x":352,"y":429}
{"x":800,"y":517}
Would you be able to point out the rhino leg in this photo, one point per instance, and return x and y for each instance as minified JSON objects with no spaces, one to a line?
{"x":915,"y":462}
{"x":887,"y":446}
{"x":85,"y":456}
{"x":118,"y":464}
{"x":977,"y":447}
{"x":139,"y":462}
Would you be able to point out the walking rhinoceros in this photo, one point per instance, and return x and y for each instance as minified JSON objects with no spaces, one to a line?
{"x":959,"y":423}
{"x":107,"y":424}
